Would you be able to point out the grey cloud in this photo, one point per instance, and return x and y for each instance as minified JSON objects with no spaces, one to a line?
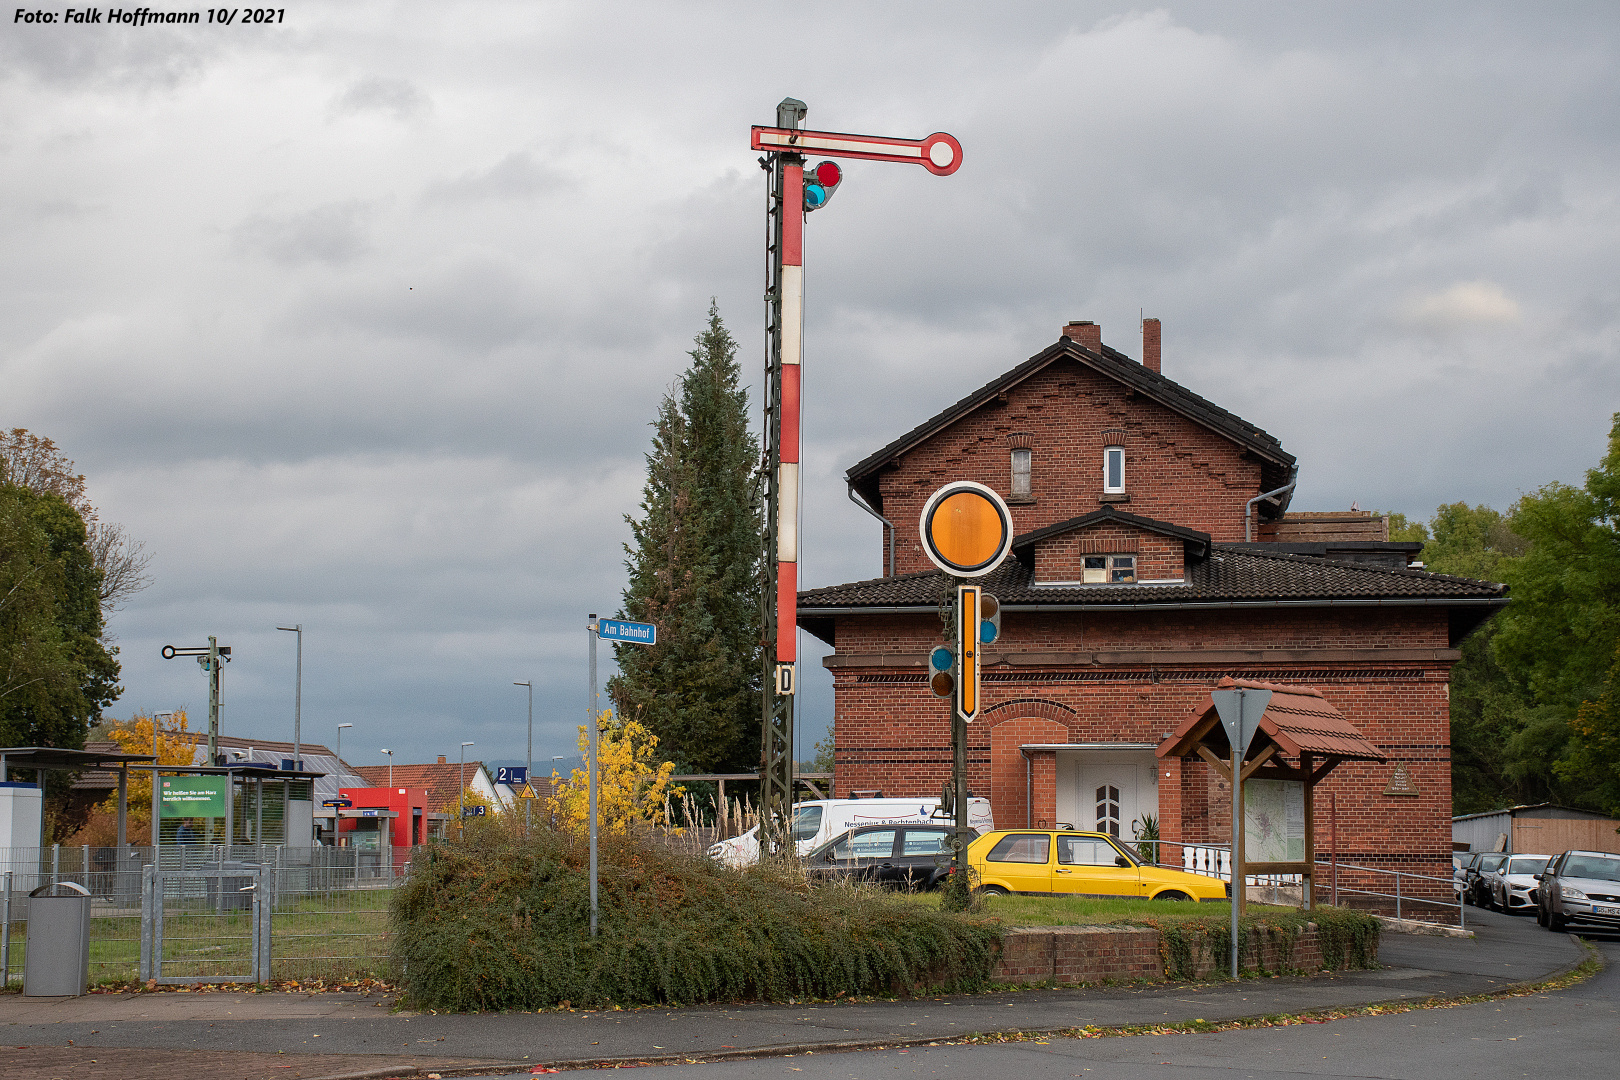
{"x":399,"y":98}
{"x":337,"y":233}
{"x":516,"y":176}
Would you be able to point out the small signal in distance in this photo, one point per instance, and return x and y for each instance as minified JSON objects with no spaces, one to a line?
{"x":820,"y":183}
{"x":941,"y":671}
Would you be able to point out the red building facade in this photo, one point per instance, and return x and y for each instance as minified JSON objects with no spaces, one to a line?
{"x":1155,"y":554}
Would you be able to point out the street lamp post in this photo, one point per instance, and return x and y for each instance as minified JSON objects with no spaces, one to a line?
{"x":529,"y":761}
{"x":461,"y":796}
{"x":298,"y":693}
{"x":338,"y":753}
{"x":390,"y":754}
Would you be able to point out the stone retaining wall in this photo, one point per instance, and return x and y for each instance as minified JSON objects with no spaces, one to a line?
{"x":1094,"y":954}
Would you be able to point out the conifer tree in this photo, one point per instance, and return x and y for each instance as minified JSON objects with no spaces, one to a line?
{"x":695,"y":570}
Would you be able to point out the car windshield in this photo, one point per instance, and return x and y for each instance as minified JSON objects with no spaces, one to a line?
{"x":1593,"y":866}
{"x":1527,"y":864}
{"x":1491,"y":862}
{"x":807,"y":822}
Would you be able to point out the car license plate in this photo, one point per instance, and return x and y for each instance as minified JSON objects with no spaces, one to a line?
{"x":1606,"y":909}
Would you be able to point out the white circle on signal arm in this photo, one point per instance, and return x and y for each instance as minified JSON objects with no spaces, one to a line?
{"x":941,"y":153}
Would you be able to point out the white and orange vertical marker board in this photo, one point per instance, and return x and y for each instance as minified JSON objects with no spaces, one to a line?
{"x":966,"y":529}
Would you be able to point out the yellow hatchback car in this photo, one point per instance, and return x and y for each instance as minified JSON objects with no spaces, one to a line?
{"x":1085,"y":863}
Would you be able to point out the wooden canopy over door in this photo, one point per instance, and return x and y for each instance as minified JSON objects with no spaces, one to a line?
{"x":1298,"y":724}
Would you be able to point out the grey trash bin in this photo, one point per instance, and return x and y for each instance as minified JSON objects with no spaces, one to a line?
{"x":58,"y":960}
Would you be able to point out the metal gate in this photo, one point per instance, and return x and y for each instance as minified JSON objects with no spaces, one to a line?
{"x":206,"y":925}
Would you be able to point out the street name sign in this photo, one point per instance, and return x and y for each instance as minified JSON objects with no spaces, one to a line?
{"x":637,"y":633}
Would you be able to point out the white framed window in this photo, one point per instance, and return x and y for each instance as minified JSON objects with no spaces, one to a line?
{"x":1109,"y":570}
{"x":1020,"y":472}
{"x":1113,"y":469}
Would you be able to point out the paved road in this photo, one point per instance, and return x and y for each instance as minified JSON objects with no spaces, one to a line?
{"x":1565,"y":1033}
{"x":1507,"y":950}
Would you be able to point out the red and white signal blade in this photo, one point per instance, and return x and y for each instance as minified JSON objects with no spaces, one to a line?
{"x":939,"y":153}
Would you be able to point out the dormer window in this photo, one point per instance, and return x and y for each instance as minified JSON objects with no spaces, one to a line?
{"x":1113,"y":469}
{"x":1109,"y":570}
{"x":1020,"y":472}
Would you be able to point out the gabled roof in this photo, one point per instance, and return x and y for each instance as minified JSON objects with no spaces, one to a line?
{"x":1110,"y":363}
{"x":1199,"y":540}
{"x":1297,"y":718}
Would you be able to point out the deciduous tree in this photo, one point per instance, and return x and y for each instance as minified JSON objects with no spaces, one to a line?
{"x":631,"y":780}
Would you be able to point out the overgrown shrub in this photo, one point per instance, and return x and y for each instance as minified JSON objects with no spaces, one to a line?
{"x":1348,"y":939}
{"x":498,"y":922}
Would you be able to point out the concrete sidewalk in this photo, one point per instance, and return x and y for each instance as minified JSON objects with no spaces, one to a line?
{"x":340,"y":1034}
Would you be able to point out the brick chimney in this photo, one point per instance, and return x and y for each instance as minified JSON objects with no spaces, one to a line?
{"x":442,"y":761}
{"x":1086,"y":332}
{"x":1150,"y":344}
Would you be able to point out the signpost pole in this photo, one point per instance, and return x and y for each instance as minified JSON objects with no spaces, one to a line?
{"x":1237,"y":832}
{"x":590,"y":765}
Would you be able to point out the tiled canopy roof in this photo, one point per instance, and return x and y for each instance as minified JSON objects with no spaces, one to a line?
{"x":1297,"y":718}
{"x":1229,"y":575}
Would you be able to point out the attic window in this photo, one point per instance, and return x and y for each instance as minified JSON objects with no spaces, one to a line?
{"x":1109,"y":570}
{"x":1114,"y":469}
{"x":1020,"y":472}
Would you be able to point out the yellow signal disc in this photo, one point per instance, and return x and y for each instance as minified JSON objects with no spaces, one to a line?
{"x":966,"y":529}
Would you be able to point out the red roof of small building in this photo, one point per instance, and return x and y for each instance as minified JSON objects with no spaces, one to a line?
{"x":443,"y":781}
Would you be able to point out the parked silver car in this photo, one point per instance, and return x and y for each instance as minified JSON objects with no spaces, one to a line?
{"x":1512,"y":885}
{"x":1580,"y":887}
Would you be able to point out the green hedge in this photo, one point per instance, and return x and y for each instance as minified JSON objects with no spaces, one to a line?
{"x":495,"y":922}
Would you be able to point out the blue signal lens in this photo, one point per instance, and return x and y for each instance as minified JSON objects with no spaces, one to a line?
{"x":988,"y":631}
{"x":941,"y":659}
{"x":815,"y":196}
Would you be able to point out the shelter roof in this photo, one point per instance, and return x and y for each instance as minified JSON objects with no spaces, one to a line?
{"x":1107,"y":362}
{"x":51,"y":757}
{"x":1298,"y":719}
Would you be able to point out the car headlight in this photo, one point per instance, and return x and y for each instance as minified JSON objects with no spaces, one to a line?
{"x":1570,"y":892}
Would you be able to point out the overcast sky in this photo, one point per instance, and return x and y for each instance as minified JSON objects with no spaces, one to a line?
{"x":358,"y":320}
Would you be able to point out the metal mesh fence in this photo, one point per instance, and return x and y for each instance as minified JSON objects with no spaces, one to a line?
{"x":329,"y":912}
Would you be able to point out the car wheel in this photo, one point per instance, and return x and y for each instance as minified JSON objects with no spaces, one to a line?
{"x":1556,"y":922}
{"x":1541,"y":915}
{"x":992,"y":890}
{"x":1172,"y":894}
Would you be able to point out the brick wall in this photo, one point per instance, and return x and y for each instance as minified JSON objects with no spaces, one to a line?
{"x":1175,"y":470}
{"x":892,"y":733}
{"x":1062,"y":558}
{"x":1096,"y":954}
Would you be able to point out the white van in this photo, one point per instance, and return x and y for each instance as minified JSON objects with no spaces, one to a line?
{"x":815,"y":822}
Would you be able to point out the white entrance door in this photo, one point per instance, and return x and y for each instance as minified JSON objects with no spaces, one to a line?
{"x":1113,"y":798}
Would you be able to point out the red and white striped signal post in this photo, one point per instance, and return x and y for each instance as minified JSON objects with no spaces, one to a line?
{"x":792,"y":195}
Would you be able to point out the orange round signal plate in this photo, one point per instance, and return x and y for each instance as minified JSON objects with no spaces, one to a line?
{"x":967,"y":529}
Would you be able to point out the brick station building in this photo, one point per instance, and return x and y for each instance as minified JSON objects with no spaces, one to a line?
{"x":1155,"y":554}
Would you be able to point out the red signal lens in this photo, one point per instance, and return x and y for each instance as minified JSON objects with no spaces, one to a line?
{"x":828,"y":174}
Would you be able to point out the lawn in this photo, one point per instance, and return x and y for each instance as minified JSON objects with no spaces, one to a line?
{"x":331,"y":936}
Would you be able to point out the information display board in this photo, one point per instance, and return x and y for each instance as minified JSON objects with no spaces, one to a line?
{"x":193,"y":796}
{"x":1273,"y":821}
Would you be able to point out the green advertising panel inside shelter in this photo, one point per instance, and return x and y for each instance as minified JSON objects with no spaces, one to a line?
{"x":193,"y":796}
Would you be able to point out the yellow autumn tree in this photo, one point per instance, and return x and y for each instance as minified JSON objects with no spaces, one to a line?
{"x":134,"y":736}
{"x":631,"y":783}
